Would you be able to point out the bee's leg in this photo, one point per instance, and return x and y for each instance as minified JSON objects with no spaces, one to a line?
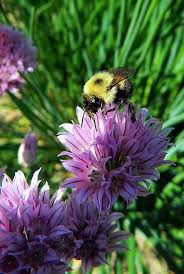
{"x":82,"y":118}
{"x":129,"y":89}
{"x":132,"y":111}
{"x":92,"y":116}
{"x":95,"y":123}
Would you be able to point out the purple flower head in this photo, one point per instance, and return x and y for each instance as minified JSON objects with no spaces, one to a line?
{"x":27,"y":150}
{"x":17,"y":55}
{"x":31,"y":227}
{"x":95,"y":234}
{"x":112,"y":155}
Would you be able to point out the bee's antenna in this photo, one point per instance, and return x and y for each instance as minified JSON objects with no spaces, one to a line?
{"x":111,"y":109}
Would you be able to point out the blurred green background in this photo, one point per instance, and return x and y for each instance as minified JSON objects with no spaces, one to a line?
{"x":76,"y":38}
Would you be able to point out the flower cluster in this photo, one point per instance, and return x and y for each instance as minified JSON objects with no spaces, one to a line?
{"x":31,"y":227}
{"x":94,"y":234}
{"x":17,"y":55}
{"x":113,"y":155}
{"x":39,"y":234}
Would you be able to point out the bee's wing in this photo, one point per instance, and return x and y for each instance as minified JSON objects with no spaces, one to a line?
{"x":123,"y":72}
{"x":120,"y":74}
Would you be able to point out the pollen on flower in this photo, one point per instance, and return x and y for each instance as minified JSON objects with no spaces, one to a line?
{"x":95,"y":177}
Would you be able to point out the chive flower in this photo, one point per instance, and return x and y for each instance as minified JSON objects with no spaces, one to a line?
{"x":31,"y":227}
{"x":94,"y":235}
{"x":17,"y":56}
{"x":113,"y":155}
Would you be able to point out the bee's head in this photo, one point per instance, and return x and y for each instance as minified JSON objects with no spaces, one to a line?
{"x":92,"y":104}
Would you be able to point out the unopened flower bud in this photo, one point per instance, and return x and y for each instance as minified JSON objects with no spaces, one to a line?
{"x":27,"y":150}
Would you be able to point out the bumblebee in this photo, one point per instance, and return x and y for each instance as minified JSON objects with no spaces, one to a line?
{"x":107,"y":87}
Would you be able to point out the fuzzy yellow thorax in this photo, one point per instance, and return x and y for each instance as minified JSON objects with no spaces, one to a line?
{"x":97,"y":85}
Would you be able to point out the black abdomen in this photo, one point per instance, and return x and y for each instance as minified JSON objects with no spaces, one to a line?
{"x":124,"y":94}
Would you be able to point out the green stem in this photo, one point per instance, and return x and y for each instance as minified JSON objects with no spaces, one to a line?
{"x":4,"y":14}
{"x":30,"y":114}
